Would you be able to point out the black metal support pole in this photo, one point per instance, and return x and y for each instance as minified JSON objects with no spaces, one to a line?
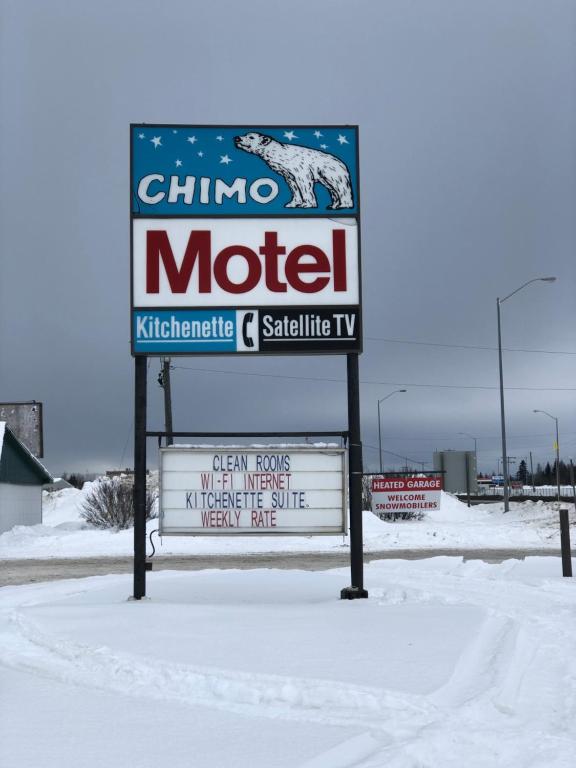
{"x":557,"y":461}
{"x":356,"y":590}
{"x":565,"y":543}
{"x":140,"y":391}
{"x":467,"y":467}
{"x":167,"y":400}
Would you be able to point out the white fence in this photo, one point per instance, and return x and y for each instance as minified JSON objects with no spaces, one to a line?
{"x":545,"y":491}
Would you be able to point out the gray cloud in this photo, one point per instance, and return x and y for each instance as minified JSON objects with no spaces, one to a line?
{"x":467,"y":122}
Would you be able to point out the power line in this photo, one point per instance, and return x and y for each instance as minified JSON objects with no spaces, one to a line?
{"x":397,"y":455}
{"x":469,"y":346}
{"x":478,"y":437}
{"x":374,"y":383}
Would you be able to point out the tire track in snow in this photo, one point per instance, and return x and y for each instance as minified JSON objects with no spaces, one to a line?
{"x":504,"y":683}
{"x":24,"y":646}
{"x":524,"y":643}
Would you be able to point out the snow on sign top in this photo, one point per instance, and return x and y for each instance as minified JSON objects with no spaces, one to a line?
{"x":244,"y":170}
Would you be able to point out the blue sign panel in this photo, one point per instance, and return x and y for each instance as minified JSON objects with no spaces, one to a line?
{"x":244,"y":171}
{"x":165,"y":332}
{"x":247,"y":330}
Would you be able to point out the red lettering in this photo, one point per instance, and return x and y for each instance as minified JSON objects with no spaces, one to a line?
{"x":271,"y":250}
{"x":295,"y":268}
{"x":302,"y":260}
{"x":221,"y":269}
{"x":158,"y":247}
{"x":339,"y":251}
{"x":265,"y":518}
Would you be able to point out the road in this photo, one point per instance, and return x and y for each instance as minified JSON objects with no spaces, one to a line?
{"x":29,"y":571}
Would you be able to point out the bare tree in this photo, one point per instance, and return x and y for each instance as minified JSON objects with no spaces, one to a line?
{"x":110,"y":504}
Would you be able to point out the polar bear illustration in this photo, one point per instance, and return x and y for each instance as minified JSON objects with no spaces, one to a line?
{"x":302,"y":167}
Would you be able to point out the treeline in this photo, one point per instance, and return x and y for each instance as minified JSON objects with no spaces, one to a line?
{"x":75,"y":479}
{"x":542,"y":475}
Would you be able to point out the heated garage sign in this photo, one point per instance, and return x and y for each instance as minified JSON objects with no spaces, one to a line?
{"x":252,"y":491}
{"x":245,"y":239}
{"x":410,"y":494}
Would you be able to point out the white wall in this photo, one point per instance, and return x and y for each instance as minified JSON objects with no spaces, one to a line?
{"x":19,"y":505}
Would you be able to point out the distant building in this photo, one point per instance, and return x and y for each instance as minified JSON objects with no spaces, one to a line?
{"x":58,"y":484}
{"x":459,"y":468}
{"x":129,"y":473}
{"x":21,"y":479}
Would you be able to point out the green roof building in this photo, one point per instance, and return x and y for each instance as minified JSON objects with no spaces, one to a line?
{"x":21,"y":479}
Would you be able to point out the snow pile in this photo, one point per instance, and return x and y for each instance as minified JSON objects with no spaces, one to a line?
{"x":269,"y":669}
{"x":528,"y":525}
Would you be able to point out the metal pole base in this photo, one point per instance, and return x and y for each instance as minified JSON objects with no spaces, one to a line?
{"x":565,"y":543}
{"x":353,"y":593}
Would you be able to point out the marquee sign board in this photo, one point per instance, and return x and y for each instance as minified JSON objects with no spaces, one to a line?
{"x":405,"y":494}
{"x":245,"y":240}
{"x":252,"y":491}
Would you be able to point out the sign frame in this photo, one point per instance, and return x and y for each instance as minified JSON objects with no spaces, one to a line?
{"x":428,"y":499}
{"x":346,"y":346}
{"x":341,"y":529}
{"x":340,"y":195}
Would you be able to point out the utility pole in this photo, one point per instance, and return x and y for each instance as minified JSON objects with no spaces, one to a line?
{"x":379,"y":424}
{"x":164,"y":381}
{"x":557,"y":447}
{"x":510,"y":460}
{"x":532,"y":474}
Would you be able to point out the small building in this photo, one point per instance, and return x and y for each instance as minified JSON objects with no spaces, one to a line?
{"x":57,"y":484}
{"x":21,"y":479}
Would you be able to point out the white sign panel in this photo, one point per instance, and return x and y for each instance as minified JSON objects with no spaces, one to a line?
{"x":393,"y":495}
{"x":245,"y":262}
{"x":252,"y":491}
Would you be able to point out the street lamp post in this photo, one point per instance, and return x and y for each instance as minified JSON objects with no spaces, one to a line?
{"x":502,"y":417}
{"x":467,"y":434}
{"x":379,"y":426}
{"x":557,"y":450}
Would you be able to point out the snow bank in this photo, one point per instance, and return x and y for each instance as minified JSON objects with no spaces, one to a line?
{"x":455,"y":526}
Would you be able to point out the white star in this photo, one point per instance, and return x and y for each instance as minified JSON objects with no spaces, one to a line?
{"x":323,"y":146}
{"x":225,"y":159}
{"x":192,"y":139}
{"x":200,"y":154}
{"x":318,"y":134}
{"x":219,"y":138}
{"x":178,"y":163}
{"x":290,"y":135}
{"x":342,"y":139}
{"x":157,"y":141}
{"x":141,"y":136}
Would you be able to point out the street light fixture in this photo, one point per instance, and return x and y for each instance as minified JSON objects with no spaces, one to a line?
{"x":557,"y":450}
{"x":379,"y":427}
{"x":502,"y":418}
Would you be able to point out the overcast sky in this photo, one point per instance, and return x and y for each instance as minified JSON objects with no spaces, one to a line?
{"x":467,"y":126}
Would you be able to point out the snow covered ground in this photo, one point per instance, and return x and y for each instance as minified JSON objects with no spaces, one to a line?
{"x":447,"y":664}
{"x":64,"y":534}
